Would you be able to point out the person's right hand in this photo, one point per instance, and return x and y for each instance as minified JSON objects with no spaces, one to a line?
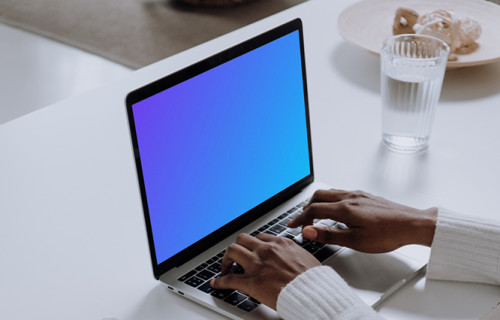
{"x":374,"y":224}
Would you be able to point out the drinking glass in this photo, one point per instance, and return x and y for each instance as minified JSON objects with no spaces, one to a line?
{"x":412,"y":70}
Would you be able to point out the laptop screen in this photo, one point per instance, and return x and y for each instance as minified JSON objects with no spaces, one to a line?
{"x":220,"y":143}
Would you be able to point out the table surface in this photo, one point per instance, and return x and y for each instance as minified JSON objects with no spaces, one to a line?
{"x":27,"y":60}
{"x":73,"y":243}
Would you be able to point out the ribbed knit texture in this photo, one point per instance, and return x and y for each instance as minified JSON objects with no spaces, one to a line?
{"x":320,"y":293}
{"x":465,"y":249}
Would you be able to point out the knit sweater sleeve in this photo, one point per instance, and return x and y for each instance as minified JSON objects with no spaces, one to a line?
{"x":465,"y":249}
{"x":321,"y":294}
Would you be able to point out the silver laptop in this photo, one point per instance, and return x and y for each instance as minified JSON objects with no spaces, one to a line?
{"x":223,"y":147}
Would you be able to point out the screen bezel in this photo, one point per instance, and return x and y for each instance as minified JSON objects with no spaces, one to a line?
{"x":183,"y":75}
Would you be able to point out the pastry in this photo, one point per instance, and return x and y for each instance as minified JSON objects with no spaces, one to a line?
{"x":459,"y":34}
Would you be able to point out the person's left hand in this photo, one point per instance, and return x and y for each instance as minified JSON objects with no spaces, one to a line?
{"x":269,"y":264}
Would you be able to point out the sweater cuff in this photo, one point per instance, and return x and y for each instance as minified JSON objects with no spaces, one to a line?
{"x":320,"y":293}
{"x":465,"y":249}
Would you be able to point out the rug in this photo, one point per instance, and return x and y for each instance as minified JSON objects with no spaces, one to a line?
{"x":134,"y":33}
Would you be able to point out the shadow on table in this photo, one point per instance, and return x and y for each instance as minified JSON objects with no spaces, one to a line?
{"x":357,"y":66}
{"x":471,"y":83}
{"x":399,"y":173}
{"x":363,"y":69}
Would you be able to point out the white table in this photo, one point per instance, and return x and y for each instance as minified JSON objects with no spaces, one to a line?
{"x":72,"y":238}
{"x":37,"y":71}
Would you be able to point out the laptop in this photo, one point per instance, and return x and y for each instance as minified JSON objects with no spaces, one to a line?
{"x":224,"y":146}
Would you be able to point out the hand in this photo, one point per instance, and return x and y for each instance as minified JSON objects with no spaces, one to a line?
{"x":374,"y":224}
{"x":269,"y":264}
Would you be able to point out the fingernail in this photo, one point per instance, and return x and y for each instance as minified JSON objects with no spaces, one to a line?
{"x":309,"y":233}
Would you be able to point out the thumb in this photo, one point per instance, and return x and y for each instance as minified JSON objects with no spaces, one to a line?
{"x":329,"y":235}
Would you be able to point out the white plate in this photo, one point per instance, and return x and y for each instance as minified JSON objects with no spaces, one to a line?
{"x":367,"y":23}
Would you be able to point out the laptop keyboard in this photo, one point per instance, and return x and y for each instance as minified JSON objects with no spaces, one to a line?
{"x":200,"y":276}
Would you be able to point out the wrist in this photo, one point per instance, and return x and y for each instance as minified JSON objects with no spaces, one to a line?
{"x":425,"y":225}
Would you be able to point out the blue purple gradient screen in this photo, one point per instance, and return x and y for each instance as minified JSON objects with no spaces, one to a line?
{"x":219,"y":144}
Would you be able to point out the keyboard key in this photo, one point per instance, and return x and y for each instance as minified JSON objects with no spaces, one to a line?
{"x":310,"y":248}
{"x":262,"y":229}
{"x":273,"y":222}
{"x":221,"y":294}
{"x":270,"y":232}
{"x":327,"y":222}
{"x":255,"y":233}
{"x":205,"y":275}
{"x":212,"y":260}
{"x":284,"y":222}
{"x":206,"y":287}
{"x":282,"y":216}
{"x":301,"y":241}
{"x":278,"y":229}
{"x":254,"y":300}
{"x":294,"y":215}
{"x":235,"y":298}
{"x":215,"y":268}
{"x":194,"y":281}
{"x":187,"y":275}
{"x":326,"y":252}
{"x":340,"y":225}
{"x":292,"y":210}
{"x":247,"y":305}
{"x":317,"y":245}
{"x":289,"y":236}
{"x":294,"y":231}
{"x":243,"y":293}
{"x":201,"y":267}
{"x":298,"y":239}
{"x":221,"y":254}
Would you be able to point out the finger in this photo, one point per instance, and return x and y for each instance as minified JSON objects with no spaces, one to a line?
{"x":330,"y":235}
{"x":332,"y":195}
{"x":321,"y":210}
{"x":229,"y":281}
{"x":247,"y":241}
{"x":235,"y":253}
{"x":266,"y":237}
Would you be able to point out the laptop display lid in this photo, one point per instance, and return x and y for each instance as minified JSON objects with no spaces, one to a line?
{"x":220,"y":143}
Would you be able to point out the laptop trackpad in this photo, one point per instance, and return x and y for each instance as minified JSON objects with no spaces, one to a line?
{"x":371,"y":275}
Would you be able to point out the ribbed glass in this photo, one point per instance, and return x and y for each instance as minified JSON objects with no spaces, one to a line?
{"x":412,"y":71}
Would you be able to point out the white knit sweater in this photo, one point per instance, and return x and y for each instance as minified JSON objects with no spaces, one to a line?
{"x":463,"y":249}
